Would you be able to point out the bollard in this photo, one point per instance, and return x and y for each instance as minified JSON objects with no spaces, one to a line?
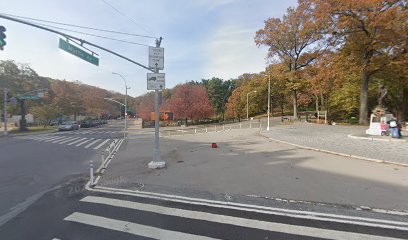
{"x":206,"y":130}
{"x":195,"y":130}
{"x":215,"y":128}
{"x":102,"y":157}
{"x":250,"y":125}
{"x":260,"y":125}
{"x":91,"y":173}
{"x":240,"y":125}
{"x":223,"y":127}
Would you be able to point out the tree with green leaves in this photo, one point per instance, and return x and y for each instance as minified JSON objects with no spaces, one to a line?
{"x":218,"y":92}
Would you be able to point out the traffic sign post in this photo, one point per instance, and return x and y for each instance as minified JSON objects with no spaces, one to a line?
{"x":68,"y":47}
{"x":156,"y":81}
{"x":156,"y":58}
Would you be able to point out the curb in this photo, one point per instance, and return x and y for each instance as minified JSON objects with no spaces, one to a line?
{"x":377,"y":139}
{"x":337,"y":153}
{"x":30,"y":133}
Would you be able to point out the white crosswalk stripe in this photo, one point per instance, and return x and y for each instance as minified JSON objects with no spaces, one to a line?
{"x":291,"y":227}
{"x":82,"y":143}
{"x":53,"y":138}
{"x":101,"y":144}
{"x":132,"y":228}
{"x":69,"y":140}
{"x":92,"y":143}
{"x":76,"y":141}
{"x":63,"y":139}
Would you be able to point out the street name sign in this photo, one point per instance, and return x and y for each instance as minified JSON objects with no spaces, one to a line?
{"x":76,"y":51}
{"x":156,"y":58}
{"x":155,"y":81}
{"x":29,"y":97}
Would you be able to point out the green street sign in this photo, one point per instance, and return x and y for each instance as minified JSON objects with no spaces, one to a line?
{"x":66,"y":46}
{"x":29,"y":97}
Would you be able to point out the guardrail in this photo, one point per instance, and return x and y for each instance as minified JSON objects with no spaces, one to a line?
{"x":182,"y":130}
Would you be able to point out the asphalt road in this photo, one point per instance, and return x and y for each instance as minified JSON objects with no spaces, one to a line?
{"x":31,"y":165}
{"x":72,"y":213}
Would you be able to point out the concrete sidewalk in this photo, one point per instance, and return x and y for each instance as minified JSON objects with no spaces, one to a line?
{"x":247,"y":164}
{"x":337,"y":139}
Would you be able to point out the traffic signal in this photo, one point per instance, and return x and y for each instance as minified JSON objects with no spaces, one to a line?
{"x":2,"y":37}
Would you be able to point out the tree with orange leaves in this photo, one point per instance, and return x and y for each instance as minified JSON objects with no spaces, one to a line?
{"x":372,"y":32}
{"x":296,"y":40}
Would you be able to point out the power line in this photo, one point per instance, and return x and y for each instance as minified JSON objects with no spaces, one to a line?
{"x":93,"y":35}
{"x":126,"y":16}
{"x":77,"y":26}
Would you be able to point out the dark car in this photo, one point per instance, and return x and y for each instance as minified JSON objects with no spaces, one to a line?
{"x":87,"y":124}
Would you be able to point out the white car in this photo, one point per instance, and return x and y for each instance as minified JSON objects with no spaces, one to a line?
{"x":68,"y":126}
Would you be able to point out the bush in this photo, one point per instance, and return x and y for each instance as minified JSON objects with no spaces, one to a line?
{"x":353,"y":120}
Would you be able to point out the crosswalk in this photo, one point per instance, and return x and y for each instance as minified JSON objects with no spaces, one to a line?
{"x":85,"y":142}
{"x":157,"y":220}
{"x":88,"y":132}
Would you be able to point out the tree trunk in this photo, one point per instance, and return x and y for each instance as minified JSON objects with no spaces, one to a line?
{"x":317,"y":103}
{"x":295,"y":113}
{"x":365,"y":77}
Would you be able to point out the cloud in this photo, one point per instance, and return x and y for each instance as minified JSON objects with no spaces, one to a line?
{"x":232,"y":52}
{"x":214,"y":4}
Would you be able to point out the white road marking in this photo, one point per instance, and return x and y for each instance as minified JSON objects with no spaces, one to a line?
{"x":68,"y":140}
{"x":258,"y":209}
{"x":76,"y":141}
{"x":237,"y":221}
{"x":103,"y":143}
{"x":81,"y":143}
{"x":63,"y":139}
{"x":54,"y":138}
{"x":132,"y":228}
{"x":92,"y":143}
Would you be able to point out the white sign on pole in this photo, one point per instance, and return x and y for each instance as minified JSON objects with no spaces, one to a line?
{"x":156,"y":58}
{"x":155,"y":81}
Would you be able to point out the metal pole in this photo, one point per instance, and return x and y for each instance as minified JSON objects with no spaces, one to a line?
{"x":157,"y":162}
{"x":126,"y":107}
{"x":247,"y":106}
{"x":269,"y":100}
{"x":5,"y":111}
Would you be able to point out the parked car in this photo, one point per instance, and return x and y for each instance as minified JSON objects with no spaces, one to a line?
{"x":87,"y":124}
{"x":68,"y":126}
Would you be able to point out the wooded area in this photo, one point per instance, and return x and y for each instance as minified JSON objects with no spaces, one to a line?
{"x":64,"y":98}
{"x":322,"y":55}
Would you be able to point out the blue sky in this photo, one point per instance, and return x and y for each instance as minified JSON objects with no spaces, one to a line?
{"x":202,"y":38}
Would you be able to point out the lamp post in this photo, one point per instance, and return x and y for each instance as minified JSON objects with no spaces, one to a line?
{"x":248,"y":104}
{"x":126,"y":88}
{"x":269,"y":98}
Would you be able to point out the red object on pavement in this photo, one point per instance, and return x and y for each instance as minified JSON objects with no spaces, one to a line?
{"x":214,"y":145}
